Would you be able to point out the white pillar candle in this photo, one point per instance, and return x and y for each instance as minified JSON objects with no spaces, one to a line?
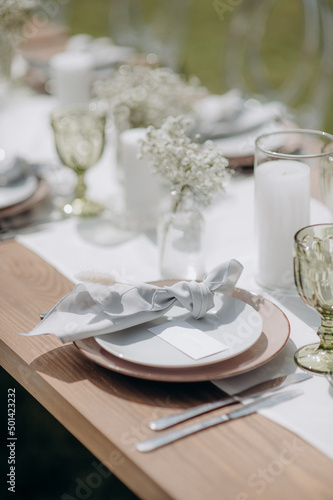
{"x":72,"y":76}
{"x":142,"y":188}
{"x":282,"y":200}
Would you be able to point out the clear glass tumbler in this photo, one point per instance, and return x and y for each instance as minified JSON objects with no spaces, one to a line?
{"x":288,"y":167}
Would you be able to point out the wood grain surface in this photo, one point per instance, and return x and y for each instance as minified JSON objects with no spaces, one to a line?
{"x":251,"y":458}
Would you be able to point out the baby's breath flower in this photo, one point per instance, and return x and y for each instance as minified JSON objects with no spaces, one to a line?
{"x":13,"y":13}
{"x":187,"y":165}
{"x":150,"y":95}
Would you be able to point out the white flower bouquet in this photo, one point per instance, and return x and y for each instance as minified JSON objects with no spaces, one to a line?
{"x":200,"y":169}
{"x":140,"y":96}
{"x":13,"y":13}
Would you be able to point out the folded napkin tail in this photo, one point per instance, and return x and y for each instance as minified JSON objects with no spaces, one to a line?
{"x":224,"y":278}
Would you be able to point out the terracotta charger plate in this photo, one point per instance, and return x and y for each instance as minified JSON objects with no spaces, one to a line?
{"x":23,"y":206}
{"x":275,"y":333}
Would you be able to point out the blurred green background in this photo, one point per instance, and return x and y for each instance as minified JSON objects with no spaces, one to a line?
{"x":50,"y":460}
{"x":208,"y":39}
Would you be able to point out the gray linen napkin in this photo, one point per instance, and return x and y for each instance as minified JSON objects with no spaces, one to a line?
{"x":12,"y":170}
{"x":252,"y":116}
{"x":96,"y":309}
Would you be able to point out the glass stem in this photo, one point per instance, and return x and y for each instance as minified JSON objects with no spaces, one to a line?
{"x":81,"y":187}
{"x":325,"y":333}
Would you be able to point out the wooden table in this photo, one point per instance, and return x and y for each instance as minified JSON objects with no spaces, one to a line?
{"x":251,"y":458}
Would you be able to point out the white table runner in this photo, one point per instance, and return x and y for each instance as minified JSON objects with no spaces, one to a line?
{"x":73,"y":246}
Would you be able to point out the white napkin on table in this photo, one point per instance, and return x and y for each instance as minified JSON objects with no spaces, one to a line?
{"x":96,"y":309}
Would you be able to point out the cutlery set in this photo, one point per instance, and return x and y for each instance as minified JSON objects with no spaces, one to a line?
{"x":247,"y":408}
{"x":9,"y":230}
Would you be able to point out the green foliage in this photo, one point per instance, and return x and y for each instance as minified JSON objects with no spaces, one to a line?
{"x":207,"y":39}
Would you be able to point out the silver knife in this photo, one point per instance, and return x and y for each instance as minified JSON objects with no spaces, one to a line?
{"x":170,"y":437}
{"x":269,"y":385}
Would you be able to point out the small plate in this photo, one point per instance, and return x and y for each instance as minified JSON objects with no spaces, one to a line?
{"x":38,"y":195}
{"x":18,"y":191}
{"x":274,"y":336}
{"x":231,"y":321}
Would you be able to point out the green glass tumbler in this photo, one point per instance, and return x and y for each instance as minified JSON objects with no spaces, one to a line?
{"x":79,"y":134}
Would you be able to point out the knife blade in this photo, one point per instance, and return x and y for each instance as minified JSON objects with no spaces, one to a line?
{"x":256,"y":390}
{"x":170,"y":437}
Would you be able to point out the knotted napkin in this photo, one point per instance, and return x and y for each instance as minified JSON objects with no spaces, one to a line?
{"x":96,"y":309}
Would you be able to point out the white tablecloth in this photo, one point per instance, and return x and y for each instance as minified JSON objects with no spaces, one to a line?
{"x":73,"y":246}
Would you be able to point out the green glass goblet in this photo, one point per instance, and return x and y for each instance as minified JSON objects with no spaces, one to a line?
{"x":79,"y":134}
{"x":313,"y":269}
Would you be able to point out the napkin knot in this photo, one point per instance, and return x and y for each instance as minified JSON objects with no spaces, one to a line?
{"x":97,"y":309}
{"x":195,"y":296}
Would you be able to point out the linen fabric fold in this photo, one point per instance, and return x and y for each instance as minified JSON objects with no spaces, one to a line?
{"x":95,"y":309}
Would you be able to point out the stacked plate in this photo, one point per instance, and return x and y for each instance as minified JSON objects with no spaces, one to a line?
{"x":234,"y":124}
{"x":252,"y":327}
{"x":20,"y":188}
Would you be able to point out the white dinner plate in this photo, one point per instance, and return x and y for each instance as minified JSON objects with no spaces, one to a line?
{"x":18,"y":191}
{"x":232,"y":322}
{"x":274,"y":336}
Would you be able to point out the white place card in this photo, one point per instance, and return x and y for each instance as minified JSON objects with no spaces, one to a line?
{"x":188,"y":339}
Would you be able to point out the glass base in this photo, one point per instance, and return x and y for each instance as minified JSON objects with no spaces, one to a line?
{"x":83,"y":208}
{"x":315,"y":359}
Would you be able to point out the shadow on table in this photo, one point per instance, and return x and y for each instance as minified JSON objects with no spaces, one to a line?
{"x":103,"y":232}
{"x":330,"y":387}
{"x":295,"y":304}
{"x":65,"y":363}
{"x":107,"y":230}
